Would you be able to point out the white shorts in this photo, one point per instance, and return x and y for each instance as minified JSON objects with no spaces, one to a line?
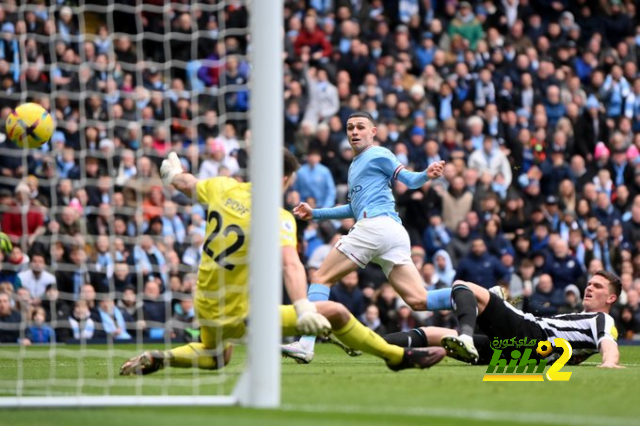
{"x":380,"y":240}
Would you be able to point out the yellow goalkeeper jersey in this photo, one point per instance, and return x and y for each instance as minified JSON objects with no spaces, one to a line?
{"x":223,"y":276}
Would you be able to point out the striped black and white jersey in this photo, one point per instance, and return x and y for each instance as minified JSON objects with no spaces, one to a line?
{"x":583,"y":331}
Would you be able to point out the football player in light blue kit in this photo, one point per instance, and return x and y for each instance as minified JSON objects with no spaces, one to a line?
{"x":378,"y":235}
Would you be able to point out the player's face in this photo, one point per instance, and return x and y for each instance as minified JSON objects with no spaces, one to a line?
{"x":360,"y":133}
{"x":597,"y":296}
{"x":288,"y":181}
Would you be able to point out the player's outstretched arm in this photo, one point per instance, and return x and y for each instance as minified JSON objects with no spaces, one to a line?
{"x":610,"y":354}
{"x":415,"y":180}
{"x":172,"y":173}
{"x":305,"y":212}
{"x":309,"y":322}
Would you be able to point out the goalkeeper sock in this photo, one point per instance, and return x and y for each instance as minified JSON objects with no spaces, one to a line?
{"x":357,"y":336}
{"x":408,"y":339}
{"x":193,"y":355}
{"x":439,"y":300}
{"x":465,"y":307}
{"x":317,"y":293}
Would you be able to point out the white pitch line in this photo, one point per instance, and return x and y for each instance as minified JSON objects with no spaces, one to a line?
{"x":507,"y":416}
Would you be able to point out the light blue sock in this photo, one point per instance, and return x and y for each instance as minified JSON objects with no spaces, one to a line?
{"x":439,"y":300}
{"x":317,"y":293}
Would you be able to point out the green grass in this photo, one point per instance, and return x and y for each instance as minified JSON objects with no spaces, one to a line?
{"x":333,"y":390}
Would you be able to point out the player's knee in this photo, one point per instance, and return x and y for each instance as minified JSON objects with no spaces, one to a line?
{"x":461,"y":283}
{"x":216,"y":361}
{"x":416,"y":303}
{"x":337,"y":314}
{"x":458,"y":283}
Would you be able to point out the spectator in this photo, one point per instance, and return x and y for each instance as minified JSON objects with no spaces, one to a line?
{"x":132,"y":310}
{"x":313,"y":38}
{"x":386,"y":301}
{"x":562,"y":267}
{"x":315,"y":181}
{"x":154,"y":309}
{"x":149,"y":260}
{"x":323,"y":96}
{"x":494,"y":239}
{"x":460,"y":243}
{"x":627,"y":323}
{"x":57,"y":313}
{"x":184,"y":323}
{"x":216,"y":160}
{"x":604,"y":249}
{"x":13,"y":223}
{"x":70,"y":279}
{"x":405,"y":320}
{"x":172,"y":223}
{"x":436,"y":236}
{"x":82,"y":326}
{"x":36,"y":279}
{"x":430,"y":277}
{"x":481,"y":267}
{"x":492,"y":160}
{"x":39,"y":331}
{"x":456,"y":202}
{"x":371,"y":318}
{"x":11,"y":326}
{"x":349,"y":294}
{"x":112,"y":320}
{"x":546,"y":299}
{"x":193,"y":254}
{"x":467,"y":25}
{"x":444,"y":267}
{"x":572,"y":301}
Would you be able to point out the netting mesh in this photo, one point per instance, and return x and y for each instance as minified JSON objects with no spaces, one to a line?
{"x":127,"y":82}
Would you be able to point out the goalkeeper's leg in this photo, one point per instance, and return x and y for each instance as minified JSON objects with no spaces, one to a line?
{"x":355,"y":335}
{"x":204,"y":355}
{"x":335,"y":266}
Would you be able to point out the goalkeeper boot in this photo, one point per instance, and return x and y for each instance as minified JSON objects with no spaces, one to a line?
{"x":461,"y":348}
{"x":349,"y":351}
{"x":419,"y":358}
{"x":297,"y":352}
{"x":143,"y":364}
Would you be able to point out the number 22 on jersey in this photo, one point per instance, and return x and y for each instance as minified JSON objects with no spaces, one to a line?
{"x":216,"y":249}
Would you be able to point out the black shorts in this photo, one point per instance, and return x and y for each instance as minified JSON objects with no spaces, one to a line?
{"x":498,"y":320}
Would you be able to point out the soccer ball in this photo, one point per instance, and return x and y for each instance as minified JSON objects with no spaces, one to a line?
{"x":30,"y":126}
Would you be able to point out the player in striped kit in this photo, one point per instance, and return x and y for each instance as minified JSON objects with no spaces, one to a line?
{"x":588,"y":332}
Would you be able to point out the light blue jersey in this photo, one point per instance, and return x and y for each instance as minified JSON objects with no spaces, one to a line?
{"x":369,"y":183}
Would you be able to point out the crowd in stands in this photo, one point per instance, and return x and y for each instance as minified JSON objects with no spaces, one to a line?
{"x":533,"y":104}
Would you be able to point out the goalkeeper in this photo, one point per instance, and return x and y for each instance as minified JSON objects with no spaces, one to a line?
{"x":221,"y":296}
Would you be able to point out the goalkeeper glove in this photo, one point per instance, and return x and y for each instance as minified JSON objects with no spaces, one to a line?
{"x":170,"y":168}
{"x":310,"y":322}
{"x":5,"y":243}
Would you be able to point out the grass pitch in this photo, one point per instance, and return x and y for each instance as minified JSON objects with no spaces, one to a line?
{"x":333,"y":390}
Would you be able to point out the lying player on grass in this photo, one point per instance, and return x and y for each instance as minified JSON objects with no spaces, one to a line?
{"x":587,"y":332}
{"x":224,"y":270}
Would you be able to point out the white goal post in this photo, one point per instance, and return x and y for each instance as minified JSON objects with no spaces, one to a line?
{"x":259,"y":384}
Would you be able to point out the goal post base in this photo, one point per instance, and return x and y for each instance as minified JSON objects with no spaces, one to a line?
{"x":117,"y":401}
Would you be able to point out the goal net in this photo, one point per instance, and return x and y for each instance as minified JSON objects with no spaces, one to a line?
{"x":105,"y":258}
